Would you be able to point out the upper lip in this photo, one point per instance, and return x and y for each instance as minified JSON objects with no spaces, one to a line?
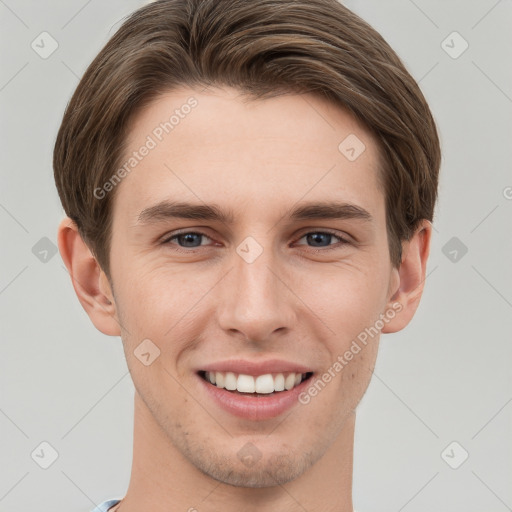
{"x":248,"y":367}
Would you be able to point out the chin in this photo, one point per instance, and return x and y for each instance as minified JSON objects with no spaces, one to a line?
{"x":276,"y":470}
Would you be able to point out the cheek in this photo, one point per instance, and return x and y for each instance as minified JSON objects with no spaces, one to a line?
{"x":347,"y":299}
{"x":165,"y":307}
{"x":155,"y":298}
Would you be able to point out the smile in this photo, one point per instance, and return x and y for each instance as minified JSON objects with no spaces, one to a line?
{"x":256,"y":385}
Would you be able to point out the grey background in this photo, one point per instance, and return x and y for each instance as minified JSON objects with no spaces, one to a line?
{"x":445,"y":378}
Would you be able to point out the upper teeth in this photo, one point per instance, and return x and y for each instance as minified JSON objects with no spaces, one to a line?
{"x":266,"y":383}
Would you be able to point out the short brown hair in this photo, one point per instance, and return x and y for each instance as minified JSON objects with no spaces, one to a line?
{"x":262,"y":48}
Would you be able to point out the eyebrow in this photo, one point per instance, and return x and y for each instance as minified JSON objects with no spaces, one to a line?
{"x":211,"y":212}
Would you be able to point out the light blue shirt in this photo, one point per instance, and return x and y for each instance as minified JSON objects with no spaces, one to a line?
{"x":103,"y":507}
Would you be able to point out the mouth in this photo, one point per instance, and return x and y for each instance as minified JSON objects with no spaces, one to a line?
{"x":263,"y":385}
{"x":255,"y":390}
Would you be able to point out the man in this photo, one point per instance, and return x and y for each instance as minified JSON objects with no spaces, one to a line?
{"x":249,"y":188}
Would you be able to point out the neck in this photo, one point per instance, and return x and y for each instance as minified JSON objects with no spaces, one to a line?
{"x":163,"y":480}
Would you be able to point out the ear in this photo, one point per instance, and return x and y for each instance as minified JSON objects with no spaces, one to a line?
{"x":411,"y":278}
{"x":89,"y":281}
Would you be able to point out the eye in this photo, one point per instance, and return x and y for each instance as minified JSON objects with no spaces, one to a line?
{"x":320,"y":238}
{"x":187,"y":239}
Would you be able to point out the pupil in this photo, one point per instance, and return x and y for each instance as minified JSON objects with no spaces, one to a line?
{"x":189,"y":237}
{"x":316,"y":236}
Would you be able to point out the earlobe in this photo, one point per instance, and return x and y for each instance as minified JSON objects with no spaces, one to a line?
{"x":89,"y":281}
{"x":411,"y":277}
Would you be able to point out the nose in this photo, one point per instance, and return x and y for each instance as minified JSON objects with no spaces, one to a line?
{"x":255,"y":299}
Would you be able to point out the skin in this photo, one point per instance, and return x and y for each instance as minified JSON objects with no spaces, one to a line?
{"x":259,"y":159}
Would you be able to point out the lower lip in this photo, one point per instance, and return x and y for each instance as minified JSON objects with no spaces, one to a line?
{"x":254,"y":408}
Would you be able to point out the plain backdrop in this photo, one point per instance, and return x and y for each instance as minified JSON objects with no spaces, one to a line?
{"x":434,"y":430}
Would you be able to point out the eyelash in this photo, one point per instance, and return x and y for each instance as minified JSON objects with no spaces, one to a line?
{"x":193,"y":250}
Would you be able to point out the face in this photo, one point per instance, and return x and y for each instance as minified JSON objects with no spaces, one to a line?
{"x":252,"y":279}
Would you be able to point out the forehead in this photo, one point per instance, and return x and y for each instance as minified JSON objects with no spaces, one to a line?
{"x":216,"y":146}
